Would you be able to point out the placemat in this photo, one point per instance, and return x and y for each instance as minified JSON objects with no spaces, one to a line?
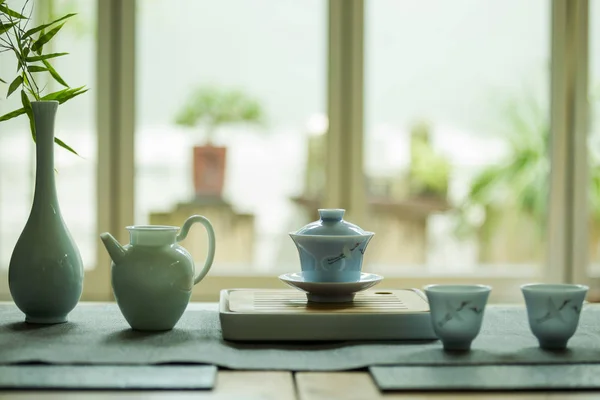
{"x":487,"y":377}
{"x":98,"y":334}
{"x":139,"y":377}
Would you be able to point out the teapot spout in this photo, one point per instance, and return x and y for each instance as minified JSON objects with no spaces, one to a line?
{"x":114,"y":248}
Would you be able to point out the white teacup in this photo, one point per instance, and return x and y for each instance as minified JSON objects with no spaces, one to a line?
{"x":553,"y":312}
{"x":457,"y":313}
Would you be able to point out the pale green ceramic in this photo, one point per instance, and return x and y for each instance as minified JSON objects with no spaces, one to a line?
{"x":457,"y":313}
{"x":553,"y":312}
{"x":331,"y":249}
{"x":45,"y":274}
{"x":153,"y":276}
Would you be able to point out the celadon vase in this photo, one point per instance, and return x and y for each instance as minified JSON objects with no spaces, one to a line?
{"x":45,"y":274}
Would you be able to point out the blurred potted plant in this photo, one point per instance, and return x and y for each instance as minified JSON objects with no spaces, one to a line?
{"x":511,"y":195}
{"x":212,"y":108}
{"x":519,"y":185}
{"x":429,"y":171}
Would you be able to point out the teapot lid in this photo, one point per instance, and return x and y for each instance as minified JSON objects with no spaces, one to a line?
{"x":331,"y":223}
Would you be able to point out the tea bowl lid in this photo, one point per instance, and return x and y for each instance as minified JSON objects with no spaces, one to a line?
{"x":331,"y":223}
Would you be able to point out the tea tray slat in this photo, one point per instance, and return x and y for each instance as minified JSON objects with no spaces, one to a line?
{"x":286,"y":315}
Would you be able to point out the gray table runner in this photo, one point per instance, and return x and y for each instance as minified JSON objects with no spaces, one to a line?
{"x":107,"y":377}
{"x":487,"y":377}
{"x":98,"y":334}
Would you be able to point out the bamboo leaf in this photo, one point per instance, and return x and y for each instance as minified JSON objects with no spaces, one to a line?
{"x":45,"y":38}
{"x":64,"y":145}
{"x":54,"y":74}
{"x":14,"y":85}
{"x":53,"y":95}
{"x":2,"y":80}
{"x":36,"y":68}
{"x":10,"y":12}
{"x":39,"y":51}
{"x":71,"y":95}
{"x":12,"y":114}
{"x":78,"y":92}
{"x":66,"y":94}
{"x":44,"y":57}
{"x":44,"y":26}
{"x":6,"y":27}
{"x":29,"y":111}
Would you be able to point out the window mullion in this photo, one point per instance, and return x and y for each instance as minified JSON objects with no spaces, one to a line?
{"x":115,"y":119}
{"x":579,"y":24}
{"x":345,"y":178}
{"x":567,"y":213}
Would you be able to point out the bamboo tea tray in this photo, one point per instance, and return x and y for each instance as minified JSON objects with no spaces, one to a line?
{"x":286,"y":315}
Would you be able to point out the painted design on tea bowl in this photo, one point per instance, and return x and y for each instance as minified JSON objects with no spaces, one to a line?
{"x":554,"y":312}
{"x":453,"y":312}
{"x":345,"y":254}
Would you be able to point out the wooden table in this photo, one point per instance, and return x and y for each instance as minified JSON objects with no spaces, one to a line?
{"x":246,"y":385}
{"x":285,"y":385}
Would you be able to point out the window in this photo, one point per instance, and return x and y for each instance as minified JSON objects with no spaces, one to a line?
{"x":230,"y":115}
{"x":461,"y":122}
{"x":456,"y":133}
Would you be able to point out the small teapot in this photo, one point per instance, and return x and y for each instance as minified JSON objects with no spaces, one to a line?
{"x":153,"y":276}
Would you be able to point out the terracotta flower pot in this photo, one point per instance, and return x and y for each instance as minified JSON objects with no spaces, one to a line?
{"x":209,"y":170}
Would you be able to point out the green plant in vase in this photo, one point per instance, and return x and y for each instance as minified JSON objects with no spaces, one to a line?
{"x":212,"y":108}
{"x":45,"y":273}
{"x":27,"y":46}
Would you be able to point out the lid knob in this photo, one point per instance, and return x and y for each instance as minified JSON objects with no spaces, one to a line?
{"x":331,"y":214}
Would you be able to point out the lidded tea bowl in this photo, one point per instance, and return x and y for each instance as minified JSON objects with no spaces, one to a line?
{"x":331,"y":249}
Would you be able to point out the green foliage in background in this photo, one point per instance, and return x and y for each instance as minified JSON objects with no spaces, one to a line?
{"x":521,"y":180}
{"x":26,"y":44}
{"x":429,"y":171}
{"x":212,"y":107}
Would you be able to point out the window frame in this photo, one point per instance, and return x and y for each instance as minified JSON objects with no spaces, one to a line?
{"x":567,"y":217}
{"x":568,"y":213}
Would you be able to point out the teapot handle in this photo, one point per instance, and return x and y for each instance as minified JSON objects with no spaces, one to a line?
{"x":211,"y":242}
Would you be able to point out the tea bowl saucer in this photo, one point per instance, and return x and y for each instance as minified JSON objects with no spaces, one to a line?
{"x":330,"y":292}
